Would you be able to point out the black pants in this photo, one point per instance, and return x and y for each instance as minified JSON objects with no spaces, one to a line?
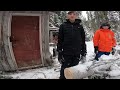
{"x":70,"y":60}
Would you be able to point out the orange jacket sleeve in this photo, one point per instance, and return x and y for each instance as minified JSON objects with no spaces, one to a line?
{"x":96,"y":38}
{"x":114,"y":40}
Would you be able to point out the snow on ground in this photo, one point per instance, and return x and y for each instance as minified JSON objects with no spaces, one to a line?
{"x":117,"y":47}
{"x":38,"y":73}
{"x":114,"y":73}
{"x":52,"y":72}
{"x":105,"y":57}
{"x":90,"y":51}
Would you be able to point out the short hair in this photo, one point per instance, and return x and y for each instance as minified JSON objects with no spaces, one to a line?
{"x":69,"y":12}
{"x":105,"y":24}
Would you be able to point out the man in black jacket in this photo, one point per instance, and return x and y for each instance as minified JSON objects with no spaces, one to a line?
{"x":71,"y":42}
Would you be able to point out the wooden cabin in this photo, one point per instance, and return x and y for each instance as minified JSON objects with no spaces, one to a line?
{"x":24,"y":39}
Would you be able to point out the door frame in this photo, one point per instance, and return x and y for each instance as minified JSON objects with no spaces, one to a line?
{"x":40,"y":38}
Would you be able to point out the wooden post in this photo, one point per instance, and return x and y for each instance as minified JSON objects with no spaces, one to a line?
{"x":1,"y":68}
{"x":45,"y":39}
{"x":3,"y":61}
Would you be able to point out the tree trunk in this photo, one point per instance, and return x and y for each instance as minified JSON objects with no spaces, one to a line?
{"x":82,"y":71}
{"x":75,"y":73}
{"x":78,"y":72}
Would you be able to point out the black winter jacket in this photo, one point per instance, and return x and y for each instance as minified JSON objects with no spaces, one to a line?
{"x":71,"y":38}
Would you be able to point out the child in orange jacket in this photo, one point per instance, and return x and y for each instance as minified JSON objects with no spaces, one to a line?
{"x":103,"y":40}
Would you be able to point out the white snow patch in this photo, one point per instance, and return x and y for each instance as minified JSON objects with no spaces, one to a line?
{"x":90,"y":51}
{"x":39,"y":73}
{"x":117,"y":47}
{"x":107,"y":57}
{"x":51,"y":50}
{"x":114,"y":73}
{"x":81,"y":68}
{"x":115,"y":67}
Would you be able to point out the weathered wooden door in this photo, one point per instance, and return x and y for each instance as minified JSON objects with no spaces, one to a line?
{"x":25,"y":40}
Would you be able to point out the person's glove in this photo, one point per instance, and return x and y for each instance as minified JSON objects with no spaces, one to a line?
{"x":60,"y":57}
{"x":113,"y":51}
{"x":95,"y":49}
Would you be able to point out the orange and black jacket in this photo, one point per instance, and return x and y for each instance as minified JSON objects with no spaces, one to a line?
{"x":104,"y":40}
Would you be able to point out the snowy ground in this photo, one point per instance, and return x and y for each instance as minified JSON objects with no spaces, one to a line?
{"x":48,"y":72}
{"x":51,"y":72}
{"x":38,"y":73}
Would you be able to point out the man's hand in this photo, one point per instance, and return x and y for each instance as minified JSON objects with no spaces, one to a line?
{"x":60,"y":57}
{"x":95,"y":49}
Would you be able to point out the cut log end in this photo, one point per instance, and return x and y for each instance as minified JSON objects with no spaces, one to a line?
{"x":68,"y":73}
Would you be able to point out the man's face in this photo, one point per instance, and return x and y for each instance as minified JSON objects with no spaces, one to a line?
{"x":72,"y":16}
